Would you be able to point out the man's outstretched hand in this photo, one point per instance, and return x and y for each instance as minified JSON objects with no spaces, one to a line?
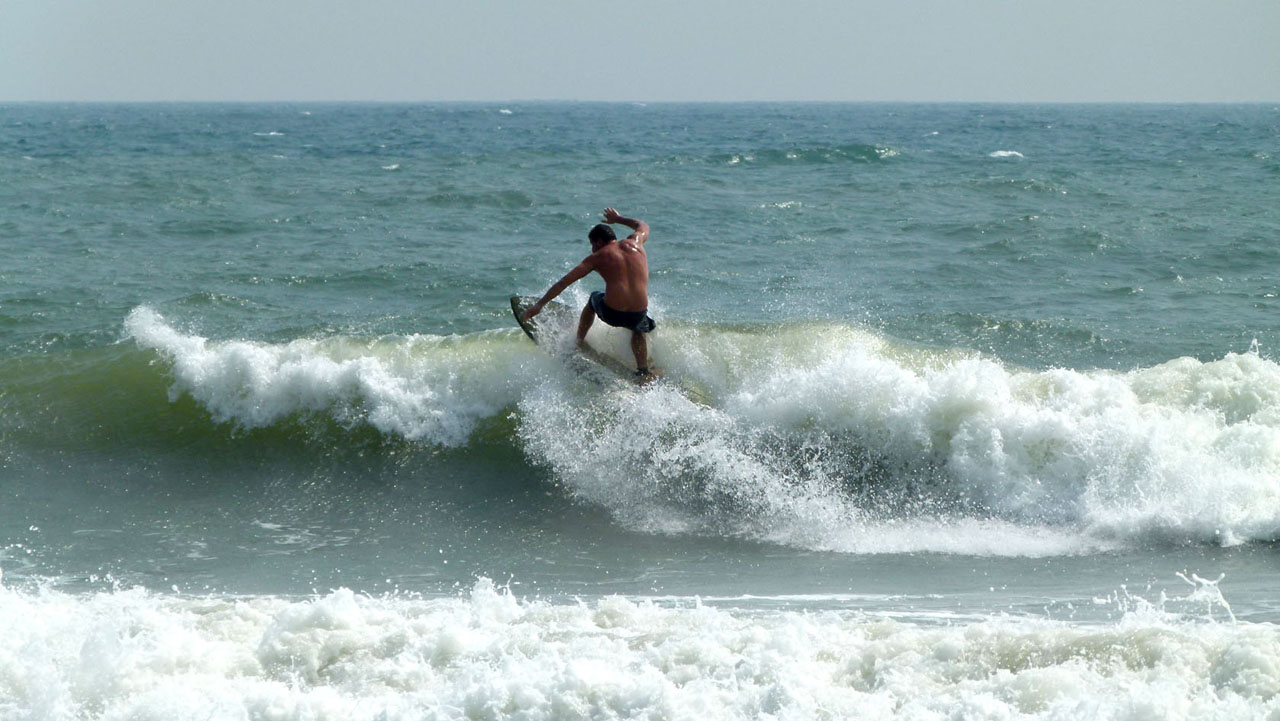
{"x":530,"y":312}
{"x":612,"y":216}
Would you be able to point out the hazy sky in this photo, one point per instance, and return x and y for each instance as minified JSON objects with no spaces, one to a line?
{"x":973,"y":50}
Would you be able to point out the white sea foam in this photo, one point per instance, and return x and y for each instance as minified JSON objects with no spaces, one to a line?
{"x":1005,"y":154}
{"x":344,"y":656}
{"x":819,"y":436}
{"x":837,"y":439}
{"x":428,"y":388}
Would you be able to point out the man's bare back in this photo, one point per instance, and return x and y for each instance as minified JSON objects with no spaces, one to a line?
{"x":625,"y":268}
{"x":624,"y":265}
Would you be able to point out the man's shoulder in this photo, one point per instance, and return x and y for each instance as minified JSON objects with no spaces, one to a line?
{"x":608,"y":252}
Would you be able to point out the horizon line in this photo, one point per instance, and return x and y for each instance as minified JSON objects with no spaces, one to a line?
{"x":461,"y":101}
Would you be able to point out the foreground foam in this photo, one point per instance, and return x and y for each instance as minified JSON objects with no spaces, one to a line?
{"x":345,"y":656}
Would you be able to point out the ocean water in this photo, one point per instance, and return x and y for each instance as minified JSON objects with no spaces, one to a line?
{"x":969,"y":412}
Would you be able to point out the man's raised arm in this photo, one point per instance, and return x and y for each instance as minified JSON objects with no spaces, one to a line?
{"x":640,"y":227}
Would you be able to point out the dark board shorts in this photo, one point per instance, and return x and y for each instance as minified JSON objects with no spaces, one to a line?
{"x":638,"y":321}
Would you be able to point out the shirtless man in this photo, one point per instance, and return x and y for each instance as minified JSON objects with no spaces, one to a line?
{"x":624,"y":302}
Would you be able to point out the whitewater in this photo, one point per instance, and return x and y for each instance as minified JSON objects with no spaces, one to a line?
{"x":486,"y":654}
{"x":817,"y":435}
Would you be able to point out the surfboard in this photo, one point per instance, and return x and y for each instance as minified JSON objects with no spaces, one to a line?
{"x":558,"y":320}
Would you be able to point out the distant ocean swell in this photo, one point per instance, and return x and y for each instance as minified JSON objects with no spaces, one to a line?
{"x":487,"y":654}
{"x":822,"y":436}
{"x":769,"y":157}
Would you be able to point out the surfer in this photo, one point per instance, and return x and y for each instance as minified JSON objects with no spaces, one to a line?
{"x":624,"y":302}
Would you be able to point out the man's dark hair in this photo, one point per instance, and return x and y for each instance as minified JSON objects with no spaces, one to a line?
{"x":601,"y":234}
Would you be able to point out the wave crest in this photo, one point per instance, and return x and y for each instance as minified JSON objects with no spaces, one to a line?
{"x":421,"y":388}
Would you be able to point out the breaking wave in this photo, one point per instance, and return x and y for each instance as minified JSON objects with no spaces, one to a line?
{"x":821,"y":436}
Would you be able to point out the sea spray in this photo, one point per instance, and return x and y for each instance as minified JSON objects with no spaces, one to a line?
{"x":862,"y":430}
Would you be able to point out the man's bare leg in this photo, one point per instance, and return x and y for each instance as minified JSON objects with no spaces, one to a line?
{"x":584,"y":323}
{"x":640,"y":348}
